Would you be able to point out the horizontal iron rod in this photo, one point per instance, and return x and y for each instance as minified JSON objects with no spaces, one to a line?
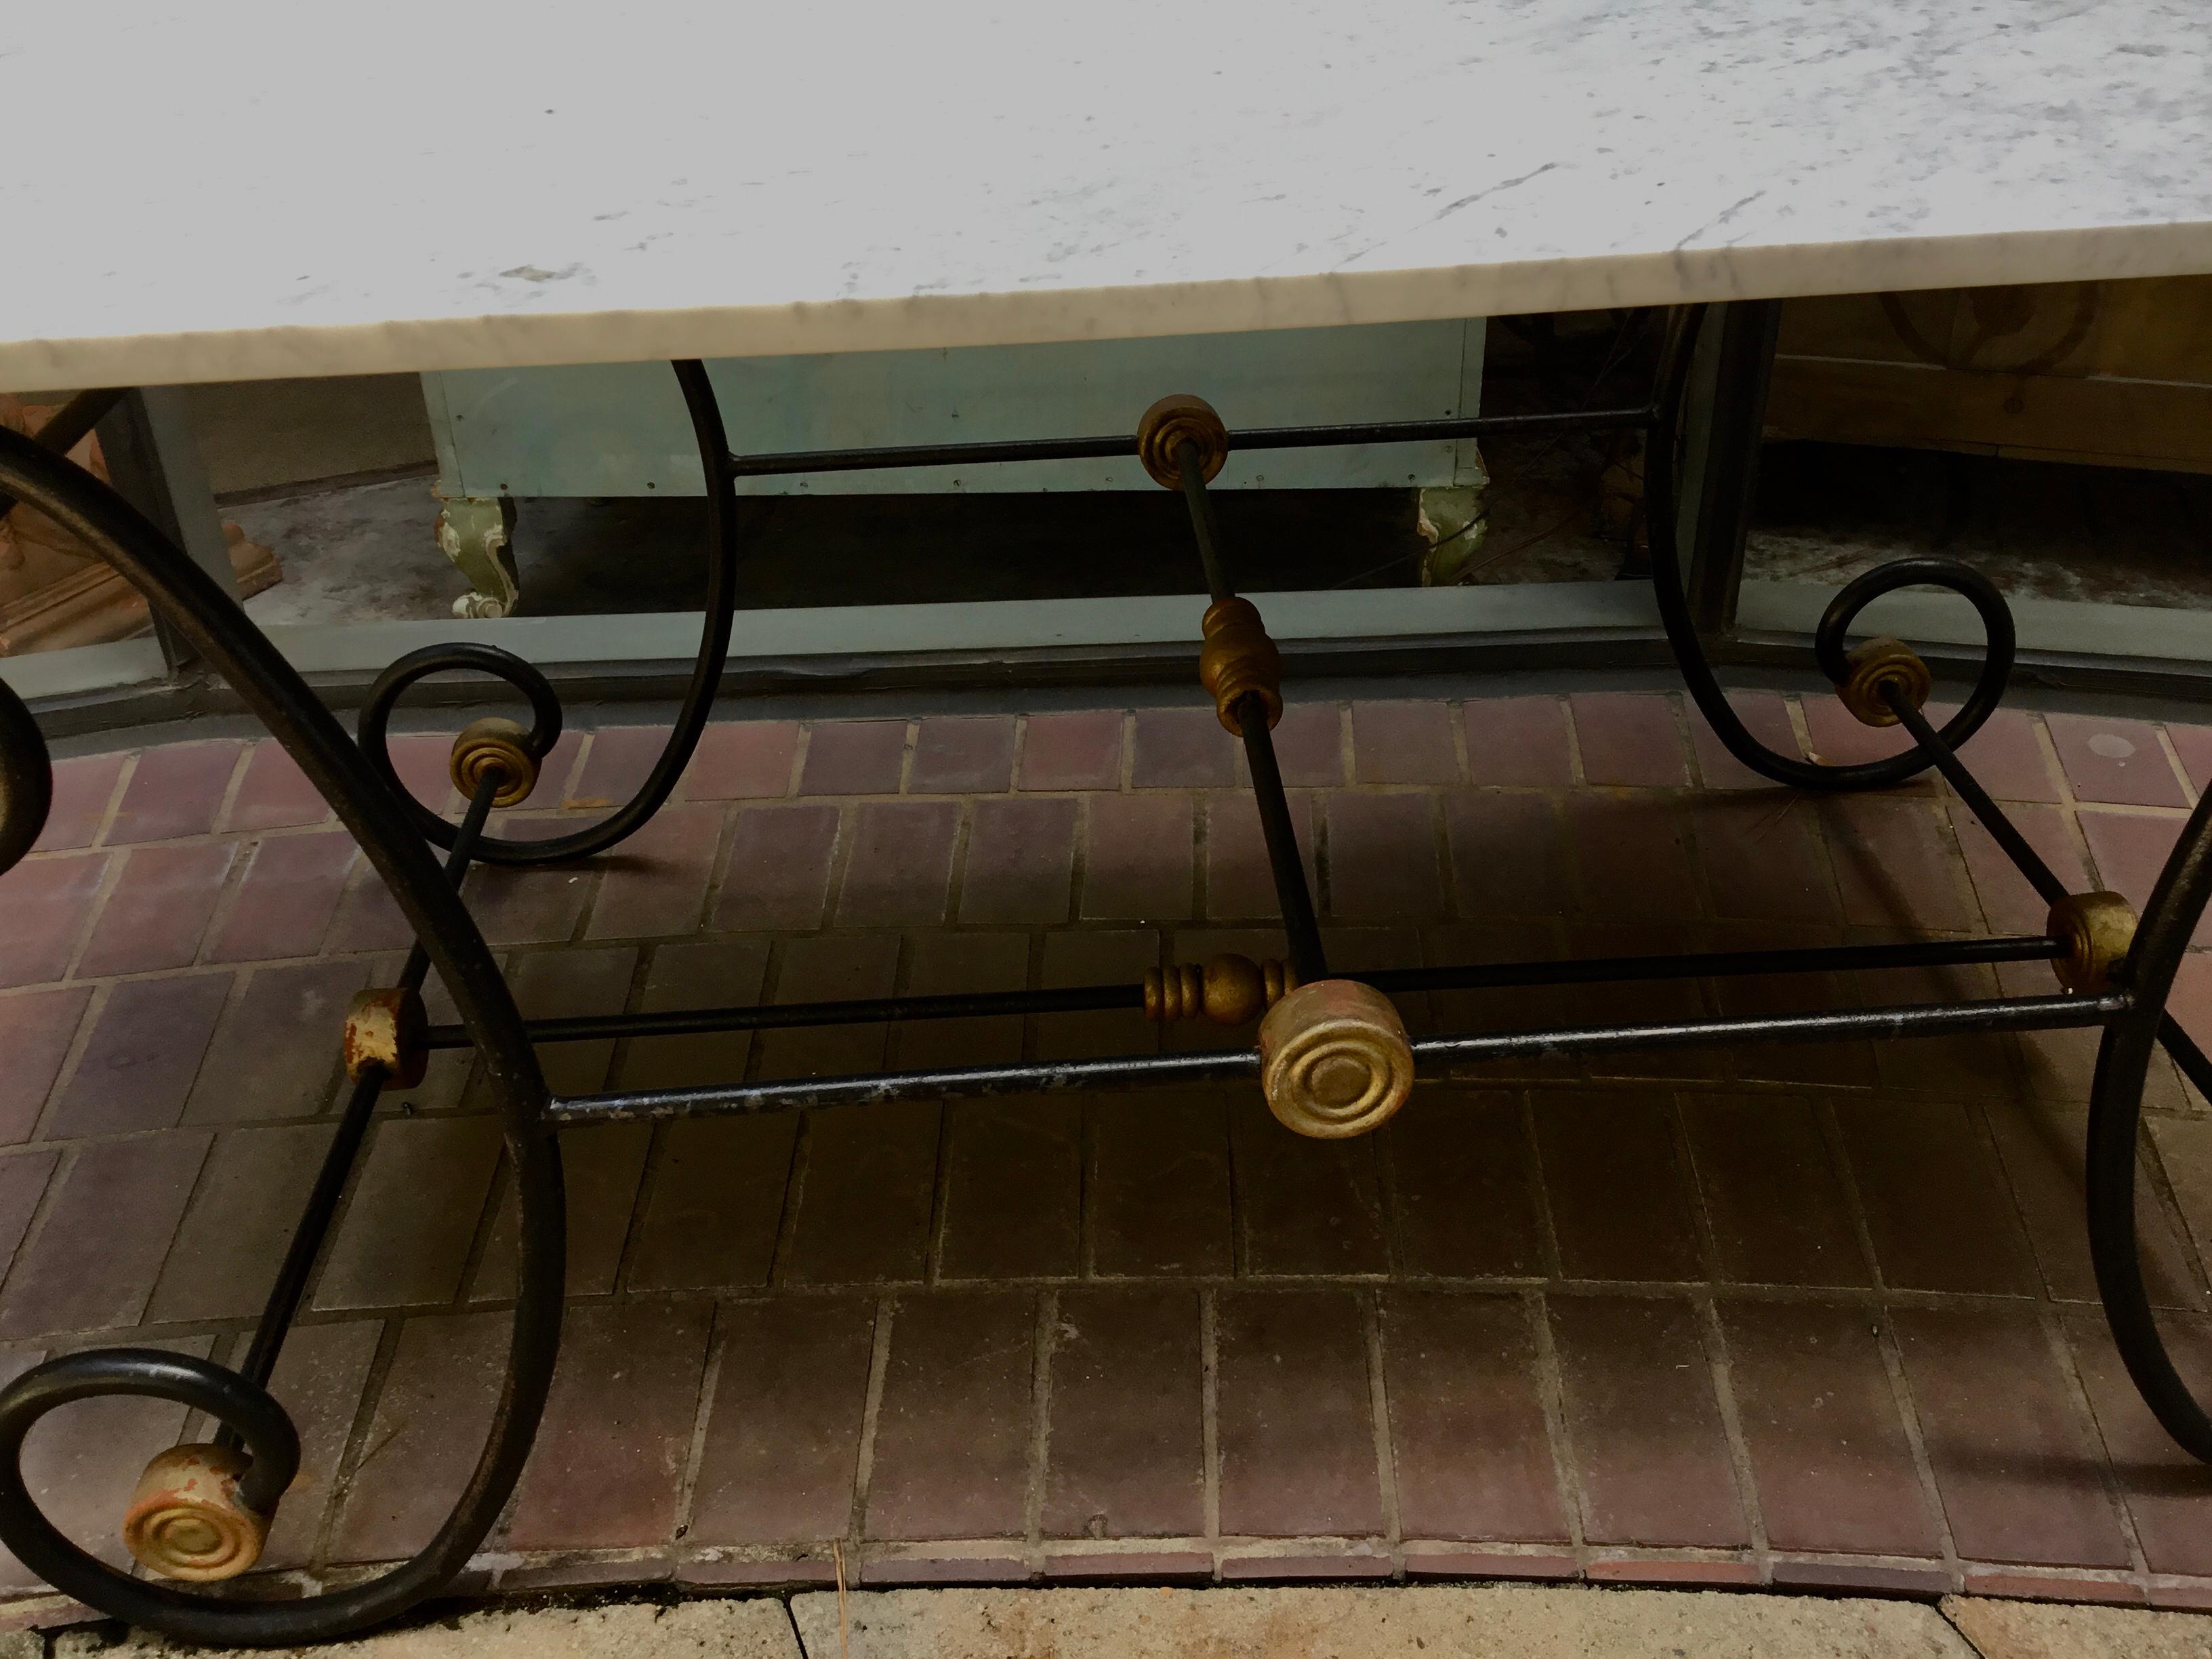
{"x":1718,"y":964}
{"x":1914,"y":1019}
{"x":691,"y":1022}
{"x":1002,"y":451}
{"x":1596,"y":970}
{"x":953,"y":1083}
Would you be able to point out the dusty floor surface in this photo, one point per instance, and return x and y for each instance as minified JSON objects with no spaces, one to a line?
{"x":1336,"y":1622}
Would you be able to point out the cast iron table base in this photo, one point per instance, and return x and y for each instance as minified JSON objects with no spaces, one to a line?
{"x":1332,"y":1057}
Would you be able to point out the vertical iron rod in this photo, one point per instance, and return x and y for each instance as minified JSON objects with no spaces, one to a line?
{"x":2026,"y":858}
{"x":306,"y":1244}
{"x":2179,"y":1046}
{"x":1191,"y":467}
{"x":1302,"y":932}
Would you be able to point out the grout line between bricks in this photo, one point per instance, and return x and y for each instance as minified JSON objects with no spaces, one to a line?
{"x":1552,"y":1396}
{"x":1045,"y":1313}
{"x":703,"y":1412}
{"x":104,"y":823}
{"x":354,"y":1451}
{"x":1714,"y":1338}
{"x":1577,"y":777}
{"x":1209,"y":1417}
{"x":2083,"y":1412}
{"x":1923,"y":1463}
{"x":864,"y":1462}
{"x":1378,"y":1405}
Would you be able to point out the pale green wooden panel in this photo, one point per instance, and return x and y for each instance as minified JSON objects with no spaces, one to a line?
{"x":619,"y":430}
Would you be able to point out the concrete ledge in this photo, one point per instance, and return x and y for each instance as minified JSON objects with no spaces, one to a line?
{"x":1413,"y":1622}
{"x":2045,"y":1630}
{"x":685,"y":1629}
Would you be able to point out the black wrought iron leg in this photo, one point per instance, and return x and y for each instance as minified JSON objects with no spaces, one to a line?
{"x":2104,"y":949}
{"x":384,"y":1049}
{"x":1685,"y":609}
{"x":507,"y":738}
{"x":1334,"y":1057}
{"x":2160,"y":943}
{"x":194,"y":1497}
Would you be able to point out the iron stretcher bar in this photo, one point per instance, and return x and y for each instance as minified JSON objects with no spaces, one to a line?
{"x":1274,"y":437}
{"x":1154,"y":1070}
{"x":1086,"y":999}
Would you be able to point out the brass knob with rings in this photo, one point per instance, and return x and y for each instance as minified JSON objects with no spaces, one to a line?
{"x":1239,"y":660}
{"x":1875,"y":669}
{"x":384,"y":1030}
{"x":187,"y":1519}
{"x":1229,"y":990}
{"x":2098,"y":930}
{"x":1335,"y":1060}
{"x":1177,"y":419}
{"x":495,"y":744}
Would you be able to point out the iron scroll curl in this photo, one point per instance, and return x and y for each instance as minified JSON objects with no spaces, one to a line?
{"x":1830,"y":637}
{"x":545,"y":705}
{"x":210,"y":623}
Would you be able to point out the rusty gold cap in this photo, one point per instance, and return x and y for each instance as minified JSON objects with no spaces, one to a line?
{"x":1335,"y":1060}
{"x":1876,"y":667}
{"x":494,"y":744}
{"x":2098,"y":930}
{"x":384,"y":1030}
{"x":1180,"y":418}
{"x":186,"y":1520}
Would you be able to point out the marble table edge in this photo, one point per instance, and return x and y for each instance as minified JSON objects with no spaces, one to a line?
{"x":494,"y":340}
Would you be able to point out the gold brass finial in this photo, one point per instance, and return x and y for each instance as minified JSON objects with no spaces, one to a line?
{"x":1335,"y":1060}
{"x":1175,"y":420}
{"x":186,"y":1519}
{"x":495,"y":744}
{"x":2098,"y":930}
{"x":1874,"y":668}
{"x":384,"y":1029}
{"x":1229,"y":990}
{"x":1238,"y":659}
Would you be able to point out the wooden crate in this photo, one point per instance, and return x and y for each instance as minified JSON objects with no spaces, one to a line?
{"x":2111,"y":373}
{"x":55,"y":593}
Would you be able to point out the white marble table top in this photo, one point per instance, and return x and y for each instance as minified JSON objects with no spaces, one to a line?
{"x":199,"y":191}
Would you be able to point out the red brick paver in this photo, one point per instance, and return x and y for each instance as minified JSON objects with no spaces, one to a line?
{"x":1819,"y":1316}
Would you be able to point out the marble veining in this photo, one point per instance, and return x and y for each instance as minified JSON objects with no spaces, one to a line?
{"x":270,"y":190}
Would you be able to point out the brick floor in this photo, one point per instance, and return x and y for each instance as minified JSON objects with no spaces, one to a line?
{"x":1816,"y":1316}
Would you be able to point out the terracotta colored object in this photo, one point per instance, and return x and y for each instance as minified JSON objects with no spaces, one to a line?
{"x":55,"y":592}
